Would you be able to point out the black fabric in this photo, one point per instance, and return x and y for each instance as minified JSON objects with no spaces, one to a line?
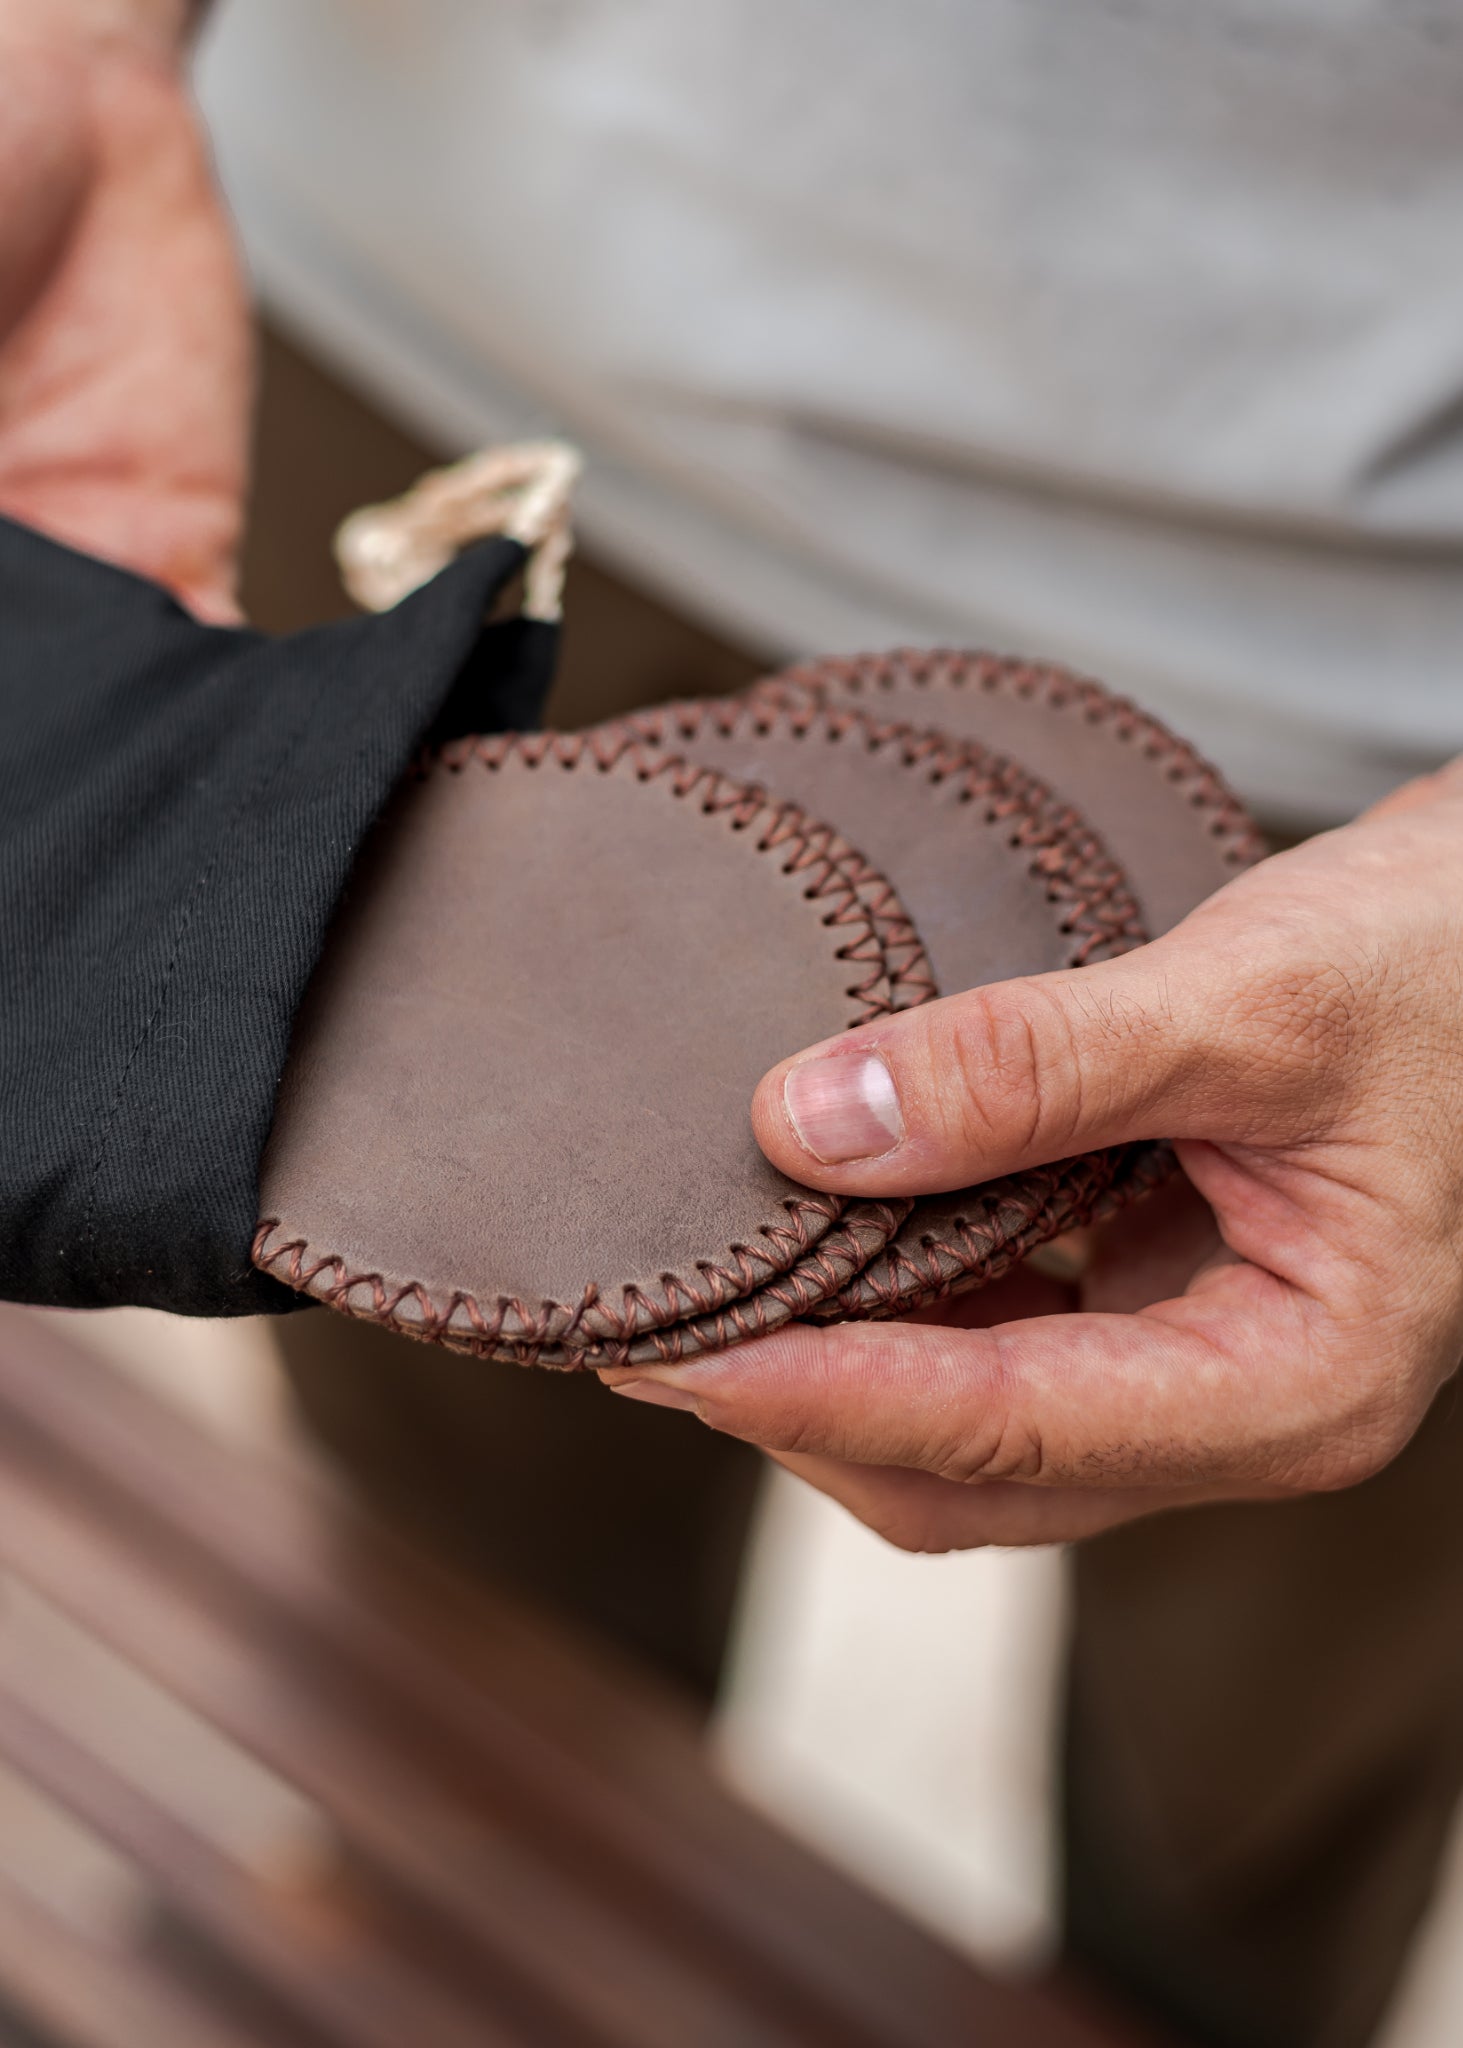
{"x":502,"y":683}
{"x":180,"y":806}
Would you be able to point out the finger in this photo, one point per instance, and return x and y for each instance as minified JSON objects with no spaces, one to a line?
{"x":1216,"y":1031}
{"x":124,"y":390}
{"x":1235,"y":1382}
{"x":917,"y":1512}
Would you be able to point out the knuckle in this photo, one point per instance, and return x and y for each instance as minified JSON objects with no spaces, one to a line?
{"x":1001,"y":1449}
{"x":1346,"y":1460}
{"x":1008,"y":1069}
{"x":1386,"y":1356}
{"x":992,"y":1438}
{"x":1307,"y":1014}
{"x":797,"y":1436}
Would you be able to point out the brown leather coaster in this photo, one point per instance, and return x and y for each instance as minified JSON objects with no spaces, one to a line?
{"x":1001,"y":879}
{"x":515,"y":1110}
{"x":1175,"y":828}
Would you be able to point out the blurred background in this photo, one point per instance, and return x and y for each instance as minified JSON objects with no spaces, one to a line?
{"x":811,"y":1664}
{"x":353,"y":1692}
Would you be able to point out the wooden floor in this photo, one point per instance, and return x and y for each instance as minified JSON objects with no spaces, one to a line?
{"x":340,"y":1795}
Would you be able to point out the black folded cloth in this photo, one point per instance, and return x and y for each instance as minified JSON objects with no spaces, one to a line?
{"x":180,"y":806}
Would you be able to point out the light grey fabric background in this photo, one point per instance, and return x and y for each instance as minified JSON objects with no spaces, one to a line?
{"x":1120,"y":331}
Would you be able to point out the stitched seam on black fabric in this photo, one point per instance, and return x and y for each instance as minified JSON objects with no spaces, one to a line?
{"x":289,"y":741}
{"x":240,"y":810}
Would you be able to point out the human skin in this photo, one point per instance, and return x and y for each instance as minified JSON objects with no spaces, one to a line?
{"x":125,"y":367}
{"x":1275,"y":1325}
{"x":1280,"y":1326}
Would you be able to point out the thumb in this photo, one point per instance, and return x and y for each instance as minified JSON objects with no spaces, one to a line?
{"x":1173,"y":1041}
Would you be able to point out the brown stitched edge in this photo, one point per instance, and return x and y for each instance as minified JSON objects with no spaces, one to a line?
{"x":1135,"y":1170}
{"x":1073,"y":1193}
{"x":293,"y":1260}
{"x":1080,"y":879}
{"x":833,"y":870}
{"x":672,"y":727}
{"x":1098,"y":912}
{"x":922,"y":1266}
{"x":858,"y":1237}
{"x":1240,"y":842}
{"x":1079,"y":875}
{"x":1069,"y":1195}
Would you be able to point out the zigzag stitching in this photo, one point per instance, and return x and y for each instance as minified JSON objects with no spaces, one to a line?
{"x":1205,"y":787}
{"x":837,"y":867}
{"x":548,"y":1322}
{"x":1071,"y":1195}
{"x":1099,"y":911}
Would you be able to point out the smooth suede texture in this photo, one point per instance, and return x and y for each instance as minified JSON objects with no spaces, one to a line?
{"x":515,"y":1112}
{"x":1000,"y":879}
{"x":1178,"y":832}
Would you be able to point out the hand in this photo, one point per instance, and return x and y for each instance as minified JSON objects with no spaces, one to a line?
{"x":1279,"y":1327}
{"x":124,"y":343}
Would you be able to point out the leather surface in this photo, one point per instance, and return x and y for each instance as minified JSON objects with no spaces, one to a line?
{"x":1000,"y":879}
{"x":515,"y":1110}
{"x":953,"y":1243}
{"x":1170,"y":822}
{"x":833,"y":1263}
{"x":515,"y":1115}
{"x":836,"y":757}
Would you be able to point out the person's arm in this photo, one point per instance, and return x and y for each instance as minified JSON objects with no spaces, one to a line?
{"x":125,"y":359}
{"x":181,"y":800}
{"x":1280,"y":1327}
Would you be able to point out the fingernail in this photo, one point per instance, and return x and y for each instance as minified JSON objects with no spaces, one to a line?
{"x":656,"y":1393}
{"x":844,"y":1106}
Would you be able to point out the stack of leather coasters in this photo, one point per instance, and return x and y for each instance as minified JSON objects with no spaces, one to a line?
{"x":515,"y":1116}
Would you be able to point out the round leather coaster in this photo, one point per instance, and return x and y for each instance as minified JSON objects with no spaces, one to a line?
{"x":515,"y":1110}
{"x":1178,"y":832}
{"x":1002,"y":880}
{"x":864,"y":1227}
